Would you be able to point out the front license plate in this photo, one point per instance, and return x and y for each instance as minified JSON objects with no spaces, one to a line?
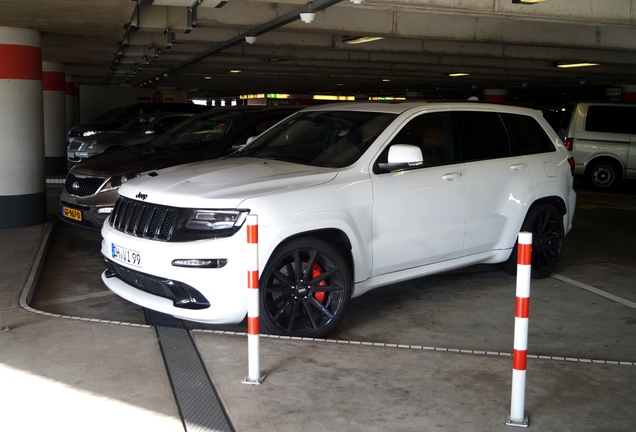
{"x":72,"y":214}
{"x":124,"y":255}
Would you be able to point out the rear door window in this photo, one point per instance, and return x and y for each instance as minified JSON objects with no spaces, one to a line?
{"x":482,"y":135}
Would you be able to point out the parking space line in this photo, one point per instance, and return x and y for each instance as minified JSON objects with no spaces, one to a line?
{"x":421,"y":348}
{"x":72,"y":299}
{"x":594,"y":290}
{"x":623,"y":206}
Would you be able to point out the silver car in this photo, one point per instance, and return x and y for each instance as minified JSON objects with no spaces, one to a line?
{"x":136,"y":131}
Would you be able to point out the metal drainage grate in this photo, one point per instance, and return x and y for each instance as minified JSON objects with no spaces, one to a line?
{"x":196,"y":397}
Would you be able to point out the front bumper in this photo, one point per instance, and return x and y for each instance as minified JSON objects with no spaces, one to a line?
{"x":90,"y":212}
{"x":182,"y":295}
{"x":207,"y":295}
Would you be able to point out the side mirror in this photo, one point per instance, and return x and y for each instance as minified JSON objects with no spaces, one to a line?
{"x":405,"y":154}
{"x":402,"y":157}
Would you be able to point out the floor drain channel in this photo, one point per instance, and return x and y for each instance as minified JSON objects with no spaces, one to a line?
{"x":196,"y":397}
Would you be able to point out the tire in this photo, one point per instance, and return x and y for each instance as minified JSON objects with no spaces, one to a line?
{"x":304,"y":289}
{"x":603,"y":174}
{"x":545,"y":222}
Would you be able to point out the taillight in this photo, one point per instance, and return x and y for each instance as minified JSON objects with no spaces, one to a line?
{"x":568,"y":143}
{"x":571,"y":162}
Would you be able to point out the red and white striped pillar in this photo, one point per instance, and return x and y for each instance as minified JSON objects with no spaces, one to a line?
{"x":22,"y":179}
{"x":54,"y":103}
{"x":495,"y":95}
{"x":518,"y":416}
{"x":253,"y":315}
{"x":628,"y":93}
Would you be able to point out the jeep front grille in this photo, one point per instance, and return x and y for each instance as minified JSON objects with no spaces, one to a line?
{"x":149,"y":221}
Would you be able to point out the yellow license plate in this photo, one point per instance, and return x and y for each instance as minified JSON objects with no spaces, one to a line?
{"x":72,"y":214}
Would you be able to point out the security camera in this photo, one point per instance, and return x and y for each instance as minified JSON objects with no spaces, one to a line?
{"x":307,"y":17}
{"x":250,"y":39}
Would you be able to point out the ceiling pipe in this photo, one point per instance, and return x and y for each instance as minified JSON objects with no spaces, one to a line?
{"x":311,"y":7}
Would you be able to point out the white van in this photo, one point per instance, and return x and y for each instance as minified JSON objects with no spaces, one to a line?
{"x":601,"y":137}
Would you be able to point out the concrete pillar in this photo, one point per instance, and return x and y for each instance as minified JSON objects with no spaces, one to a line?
{"x":69,"y":90}
{"x":22,"y":180}
{"x":76,"y":94}
{"x":495,"y":95}
{"x":54,"y":102}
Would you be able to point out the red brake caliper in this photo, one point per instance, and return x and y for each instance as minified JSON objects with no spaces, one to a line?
{"x":316,"y":271}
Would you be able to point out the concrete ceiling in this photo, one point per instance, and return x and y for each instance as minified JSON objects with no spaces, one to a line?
{"x":194,"y":44}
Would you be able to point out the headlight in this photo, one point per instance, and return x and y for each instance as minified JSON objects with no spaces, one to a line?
{"x":87,"y":146}
{"x":215,"y":220}
{"x":114,"y":182}
{"x":90,"y":133}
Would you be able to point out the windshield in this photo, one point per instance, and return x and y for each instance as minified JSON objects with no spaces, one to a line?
{"x":200,"y":132}
{"x":138,"y":124}
{"x":326,"y":138}
{"x":110,"y":115}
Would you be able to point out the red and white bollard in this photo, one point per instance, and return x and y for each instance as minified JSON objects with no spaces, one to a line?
{"x":518,"y":416}
{"x":253,"y":320}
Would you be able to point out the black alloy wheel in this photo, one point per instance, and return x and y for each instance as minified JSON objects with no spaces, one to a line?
{"x":545,"y":222}
{"x":304,"y":289}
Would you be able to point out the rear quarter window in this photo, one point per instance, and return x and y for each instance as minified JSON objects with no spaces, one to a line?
{"x":527,"y":135}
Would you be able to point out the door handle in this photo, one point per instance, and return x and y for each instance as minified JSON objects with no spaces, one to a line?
{"x":452,"y":176}
{"x":518,"y":167}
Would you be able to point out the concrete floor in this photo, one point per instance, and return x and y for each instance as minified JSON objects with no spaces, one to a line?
{"x":430,"y":354}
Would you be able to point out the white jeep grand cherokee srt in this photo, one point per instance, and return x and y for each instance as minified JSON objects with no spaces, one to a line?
{"x":349,"y":197}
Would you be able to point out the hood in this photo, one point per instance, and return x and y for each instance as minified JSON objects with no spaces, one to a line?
{"x":223,"y":183}
{"x":135,"y":159}
{"x":106,"y":139}
{"x":99,"y":125}
{"x":106,"y":135}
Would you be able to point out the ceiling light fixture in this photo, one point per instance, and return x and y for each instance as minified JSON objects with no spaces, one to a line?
{"x":458,"y":74}
{"x":235,"y":71}
{"x":575,"y":65}
{"x":357,"y":1}
{"x":307,"y":17}
{"x":354,"y":40}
